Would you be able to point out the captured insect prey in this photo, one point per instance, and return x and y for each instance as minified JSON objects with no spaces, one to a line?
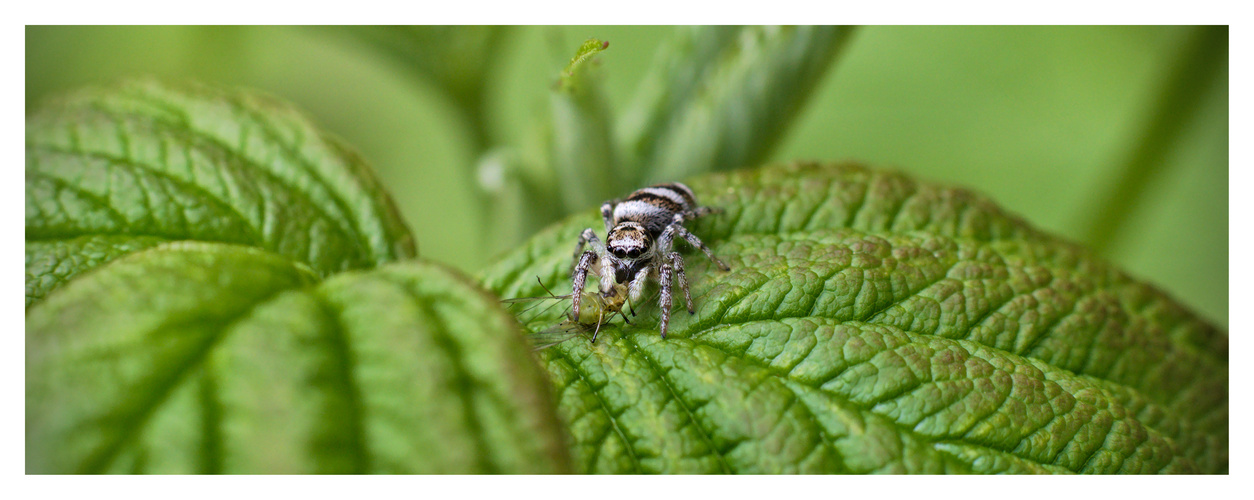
{"x":640,"y":232}
{"x":596,"y":309}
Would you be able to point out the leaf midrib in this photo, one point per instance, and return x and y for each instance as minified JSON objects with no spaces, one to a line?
{"x":254,"y":237}
{"x":1097,"y":287}
{"x":291,"y":151}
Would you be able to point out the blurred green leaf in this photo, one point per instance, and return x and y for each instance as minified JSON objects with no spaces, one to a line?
{"x":50,"y":263}
{"x":1203,"y":58}
{"x":113,"y":170}
{"x":458,"y":59}
{"x":679,"y":73}
{"x":720,"y":98}
{"x":871,"y":323}
{"x":519,"y":195}
{"x":212,"y":358}
{"x":582,"y":146}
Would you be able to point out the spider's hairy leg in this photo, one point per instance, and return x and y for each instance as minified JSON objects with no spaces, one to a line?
{"x":666,"y":242}
{"x":677,"y":262}
{"x":664,"y":279}
{"x":605,"y":274}
{"x":636,"y":288}
{"x":696,"y":242}
{"x":607,"y":214}
{"x":585,"y":237}
{"x":578,"y":277}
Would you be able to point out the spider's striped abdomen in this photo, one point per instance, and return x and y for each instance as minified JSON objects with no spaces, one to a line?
{"x":655,"y":206}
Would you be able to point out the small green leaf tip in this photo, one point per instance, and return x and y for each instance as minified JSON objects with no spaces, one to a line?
{"x":570,"y":75}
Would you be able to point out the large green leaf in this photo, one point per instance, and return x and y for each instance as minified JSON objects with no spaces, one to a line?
{"x":870,"y":323}
{"x":206,"y":358}
{"x":110,"y":171}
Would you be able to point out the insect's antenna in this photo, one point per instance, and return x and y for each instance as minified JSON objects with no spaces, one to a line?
{"x":546,"y":289}
{"x":531,"y":309}
{"x":651,"y":298}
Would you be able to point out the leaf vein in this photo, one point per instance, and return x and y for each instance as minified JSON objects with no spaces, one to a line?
{"x":613,"y":419}
{"x":662,"y":377}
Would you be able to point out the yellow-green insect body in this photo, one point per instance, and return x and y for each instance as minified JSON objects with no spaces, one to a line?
{"x":595,"y":309}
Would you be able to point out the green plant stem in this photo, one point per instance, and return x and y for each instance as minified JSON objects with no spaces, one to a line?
{"x":583,"y":149}
{"x":1202,"y":58}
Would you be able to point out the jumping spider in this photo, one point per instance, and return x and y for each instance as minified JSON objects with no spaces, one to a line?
{"x":640,"y":233}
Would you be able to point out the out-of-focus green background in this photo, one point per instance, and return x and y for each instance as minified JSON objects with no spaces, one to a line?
{"x":1040,"y":118}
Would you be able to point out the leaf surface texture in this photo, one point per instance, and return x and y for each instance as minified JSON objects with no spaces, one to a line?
{"x":113,"y":170}
{"x":213,"y":358}
{"x":871,"y":323}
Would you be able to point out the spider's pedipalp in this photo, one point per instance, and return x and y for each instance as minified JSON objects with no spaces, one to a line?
{"x":580,"y":276}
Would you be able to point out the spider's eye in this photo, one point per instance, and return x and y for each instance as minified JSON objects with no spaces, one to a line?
{"x":635,"y":252}
{"x":618,"y":252}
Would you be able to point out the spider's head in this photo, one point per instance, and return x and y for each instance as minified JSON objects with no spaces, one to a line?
{"x":628,"y":241}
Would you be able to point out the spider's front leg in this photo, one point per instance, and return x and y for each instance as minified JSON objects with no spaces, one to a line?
{"x":586,"y":237}
{"x":677,"y":262}
{"x":578,"y":277}
{"x":664,"y":281}
{"x":635,"y":289}
{"x":582,"y":262}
